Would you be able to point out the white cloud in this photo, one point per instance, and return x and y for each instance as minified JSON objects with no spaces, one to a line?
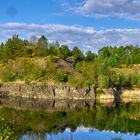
{"x":129,"y":9}
{"x":83,"y":37}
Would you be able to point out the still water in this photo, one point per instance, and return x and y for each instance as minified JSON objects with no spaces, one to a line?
{"x":82,"y":133}
{"x":69,"y":120}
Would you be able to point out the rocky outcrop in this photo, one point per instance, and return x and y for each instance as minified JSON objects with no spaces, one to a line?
{"x":135,"y":93}
{"x":43,"y":91}
{"x":131,"y":95}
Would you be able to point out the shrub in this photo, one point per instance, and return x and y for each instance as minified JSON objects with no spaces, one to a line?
{"x":76,"y":79}
{"x":61,"y":76}
{"x":33,"y":71}
{"x":7,"y":75}
{"x":103,"y":81}
{"x":134,"y":79}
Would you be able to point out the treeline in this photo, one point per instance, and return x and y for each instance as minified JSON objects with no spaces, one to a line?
{"x":68,"y":66}
{"x":16,"y":47}
{"x":112,"y":56}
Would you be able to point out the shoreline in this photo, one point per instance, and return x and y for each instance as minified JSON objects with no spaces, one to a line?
{"x":46,"y":92}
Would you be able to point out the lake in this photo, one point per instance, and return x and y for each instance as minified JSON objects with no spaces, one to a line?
{"x":68,"y":120}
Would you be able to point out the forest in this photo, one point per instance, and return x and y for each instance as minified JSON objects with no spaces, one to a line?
{"x":37,"y":60}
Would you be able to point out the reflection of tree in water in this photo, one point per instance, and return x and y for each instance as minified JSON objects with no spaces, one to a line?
{"x":117,"y":137}
{"x":34,"y":136}
{"x":86,"y":104}
{"x":101,"y":118}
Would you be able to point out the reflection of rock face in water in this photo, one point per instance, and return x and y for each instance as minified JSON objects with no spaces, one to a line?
{"x":58,"y":115}
{"x":37,"y":104}
{"x":55,"y":104}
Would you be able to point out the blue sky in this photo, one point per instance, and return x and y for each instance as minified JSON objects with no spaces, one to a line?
{"x":89,"y":24}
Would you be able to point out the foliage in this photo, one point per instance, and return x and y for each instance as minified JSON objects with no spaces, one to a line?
{"x":90,"y":56}
{"x":89,"y":69}
{"x":134,"y":79}
{"x":77,"y":54}
{"x":102,"y":118}
{"x":64,"y":52}
{"x":61,"y":76}
{"x":7,"y":74}
{"x":42,"y":42}
{"x":76,"y":79}
{"x":33,"y":71}
{"x":6,"y":130}
{"x":103,"y":81}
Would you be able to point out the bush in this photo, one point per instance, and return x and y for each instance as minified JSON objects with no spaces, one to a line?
{"x":33,"y":71}
{"x":134,"y":80}
{"x":76,"y":79}
{"x":103,"y":81}
{"x":38,"y":73}
{"x":7,"y":75}
{"x":61,"y":76}
{"x":89,"y":82}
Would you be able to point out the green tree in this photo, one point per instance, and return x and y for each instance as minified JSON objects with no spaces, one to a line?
{"x":42,"y":47}
{"x":13,"y":47}
{"x":77,"y":54}
{"x":111,"y":61}
{"x":104,"y":52}
{"x":54,"y":48}
{"x":89,"y":70}
{"x":64,"y":52}
{"x":90,"y":56}
{"x":42,"y":42}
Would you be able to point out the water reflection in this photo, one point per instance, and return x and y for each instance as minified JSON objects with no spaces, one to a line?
{"x":83,"y":133}
{"x":69,"y":120}
{"x":55,"y":105}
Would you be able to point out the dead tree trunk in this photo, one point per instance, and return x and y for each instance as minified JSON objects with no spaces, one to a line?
{"x":117,"y":98}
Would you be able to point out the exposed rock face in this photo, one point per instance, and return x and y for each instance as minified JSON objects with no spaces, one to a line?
{"x":43,"y":91}
{"x":131,"y":93}
{"x":108,"y":91}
